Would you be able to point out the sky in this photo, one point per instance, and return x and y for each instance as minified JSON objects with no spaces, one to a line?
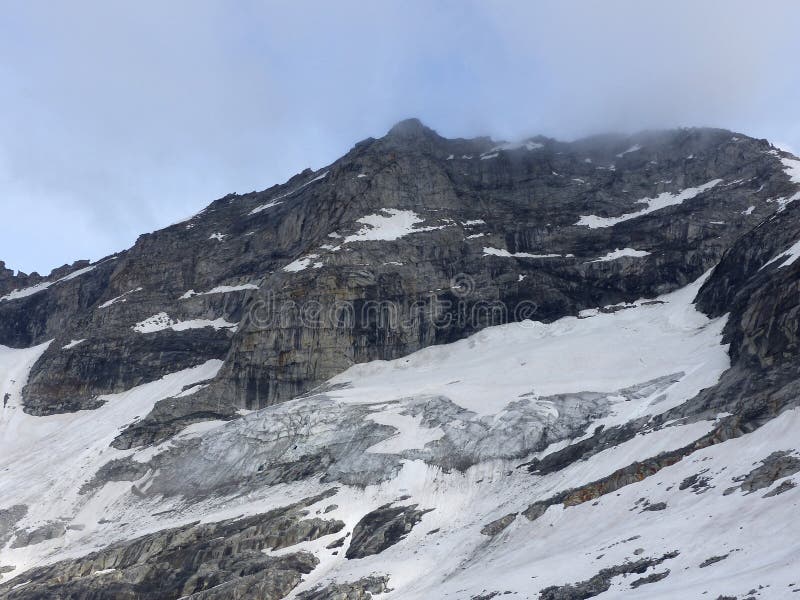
{"x":119,"y":118}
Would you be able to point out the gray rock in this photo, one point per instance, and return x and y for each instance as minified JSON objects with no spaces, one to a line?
{"x":48,"y":531}
{"x":498,"y":525}
{"x":382,"y":528}
{"x":357,"y":590}
{"x":212,"y":560}
{"x":8,"y":518}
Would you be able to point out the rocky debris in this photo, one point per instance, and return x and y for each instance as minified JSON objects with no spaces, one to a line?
{"x":363,"y":589}
{"x":48,"y":531}
{"x":785,"y":486}
{"x":382,"y":528}
{"x":633,"y":473}
{"x":498,"y":525}
{"x":118,"y":469}
{"x":169,"y":417}
{"x":8,"y":518}
{"x":712,"y":560}
{"x":776,"y":466}
{"x":655,"y":507}
{"x":602,"y":438}
{"x":652,"y":578}
{"x":697,"y":482}
{"x":211,"y":560}
{"x":601,"y":582}
{"x":537,"y":509}
{"x":337,"y":543}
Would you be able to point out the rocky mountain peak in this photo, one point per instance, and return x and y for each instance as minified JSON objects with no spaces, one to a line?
{"x":410,"y":132}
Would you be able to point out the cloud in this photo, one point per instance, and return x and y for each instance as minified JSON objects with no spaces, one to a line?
{"x":122,"y":118}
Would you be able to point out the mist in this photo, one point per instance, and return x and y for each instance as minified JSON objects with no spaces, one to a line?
{"x":118,"y":119}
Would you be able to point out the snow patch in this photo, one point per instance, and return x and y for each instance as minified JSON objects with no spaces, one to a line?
{"x":634,"y":148}
{"x":162,"y":321}
{"x":390,"y":224}
{"x":487,"y":251}
{"x":791,"y":255}
{"x":72,"y":344}
{"x":303,"y":263}
{"x":120,"y":298}
{"x":620,"y":253}
{"x":605,"y":352}
{"x":24,"y":293}
{"x":653,"y":204}
{"x":220,"y":289}
{"x":277,"y":200}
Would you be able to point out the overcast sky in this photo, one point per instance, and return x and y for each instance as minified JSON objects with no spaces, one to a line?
{"x":118,"y":118}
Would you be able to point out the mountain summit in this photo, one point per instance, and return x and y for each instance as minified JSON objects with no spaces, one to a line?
{"x":573,"y":364}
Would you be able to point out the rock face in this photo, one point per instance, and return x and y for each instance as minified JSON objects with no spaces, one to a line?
{"x":221,"y":560}
{"x":381,"y":529}
{"x":600,"y":336}
{"x":394,"y":247}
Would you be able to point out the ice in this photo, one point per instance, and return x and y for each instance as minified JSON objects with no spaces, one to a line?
{"x":217,"y":236}
{"x":410,"y":432}
{"x":620,"y":253}
{"x":653,"y":204}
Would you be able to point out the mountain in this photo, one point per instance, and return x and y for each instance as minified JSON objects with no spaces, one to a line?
{"x":436,"y":368}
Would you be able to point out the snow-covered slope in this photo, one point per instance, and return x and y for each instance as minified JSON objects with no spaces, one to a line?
{"x":498,"y":399}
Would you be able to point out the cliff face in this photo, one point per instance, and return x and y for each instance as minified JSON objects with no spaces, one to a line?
{"x":453,"y":234}
{"x":419,"y":359}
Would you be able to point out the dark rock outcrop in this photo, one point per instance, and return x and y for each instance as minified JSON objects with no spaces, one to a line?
{"x":214,"y":560}
{"x":382,"y":528}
